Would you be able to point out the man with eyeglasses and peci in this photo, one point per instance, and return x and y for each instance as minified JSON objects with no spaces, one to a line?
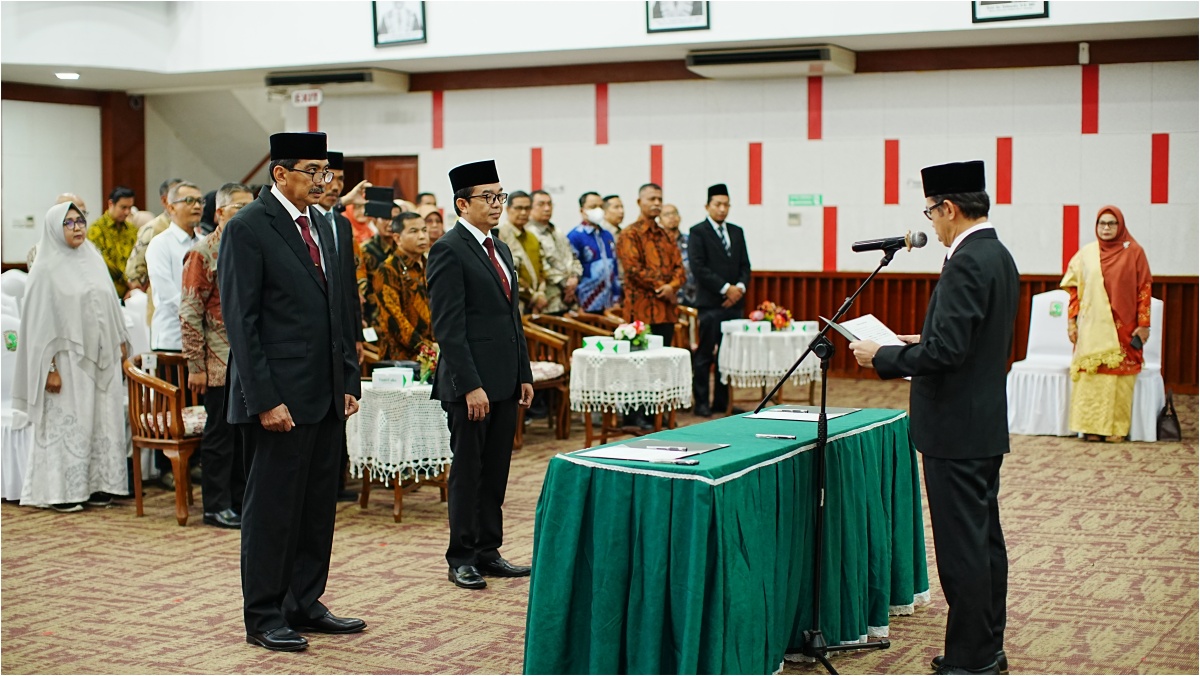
{"x":164,"y":264}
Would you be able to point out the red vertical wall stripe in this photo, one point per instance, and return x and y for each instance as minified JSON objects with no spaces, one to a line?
{"x":1160,"y":156}
{"x":656,"y":165}
{"x":535,"y":168}
{"x":830,"y":227}
{"x":601,"y":113}
{"x":1004,"y":170}
{"x":756,"y":173}
{"x":1091,"y":99}
{"x":1070,"y":232}
{"x":437,"y":118}
{"x":314,"y":119}
{"x":815,"y":86}
{"x":891,"y":171}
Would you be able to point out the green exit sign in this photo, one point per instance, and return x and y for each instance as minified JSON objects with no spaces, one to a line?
{"x":805,"y":200}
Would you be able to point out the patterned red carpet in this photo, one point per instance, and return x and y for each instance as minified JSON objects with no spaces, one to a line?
{"x":1102,"y":542}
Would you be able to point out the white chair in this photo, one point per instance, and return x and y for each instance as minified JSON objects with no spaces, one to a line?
{"x":135,"y":322}
{"x":1039,"y":386}
{"x":12,"y":283}
{"x":10,"y":305}
{"x":1148,"y":391}
{"x":14,"y":444}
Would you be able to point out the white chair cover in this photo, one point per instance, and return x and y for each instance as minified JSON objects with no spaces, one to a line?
{"x":135,"y":322}
{"x":12,"y":283}
{"x":14,"y":444}
{"x":1039,"y":386}
{"x":10,"y":305}
{"x":1148,"y":391}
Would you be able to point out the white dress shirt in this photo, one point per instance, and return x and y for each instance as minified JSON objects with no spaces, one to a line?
{"x":986,"y":225}
{"x":164,"y":264}
{"x":480,"y":237}
{"x":295,"y":213}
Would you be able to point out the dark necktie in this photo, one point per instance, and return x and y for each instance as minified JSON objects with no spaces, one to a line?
{"x":724,"y":241}
{"x":491,"y":249}
{"x":313,"y":252}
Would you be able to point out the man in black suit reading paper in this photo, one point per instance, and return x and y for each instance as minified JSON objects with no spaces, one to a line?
{"x":959,"y":412}
{"x":483,"y":372}
{"x":293,"y":380}
{"x":721,"y":265}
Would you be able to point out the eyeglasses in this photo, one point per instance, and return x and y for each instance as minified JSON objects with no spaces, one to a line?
{"x":1108,"y":224}
{"x":513,"y":207}
{"x":190,"y":201}
{"x":75,"y":224}
{"x":235,"y":207}
{"x":319,"y":176}
{"x":928,"y":210}
{"x":492,"y":199}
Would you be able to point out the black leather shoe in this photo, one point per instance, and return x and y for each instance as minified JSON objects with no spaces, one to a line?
{"x":226,"y":518}
{"x":467,"y":577}
{"x":703,"y":411}
{"x":502,"y":568}
{"x":1001,"y":664}
{"x":331,"y":624}
{"x":283,"y":639}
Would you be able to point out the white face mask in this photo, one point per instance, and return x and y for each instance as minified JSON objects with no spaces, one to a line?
{"x":594,"y":216}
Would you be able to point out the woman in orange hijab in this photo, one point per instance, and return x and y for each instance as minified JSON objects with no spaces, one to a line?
{"x":1108,"y":320}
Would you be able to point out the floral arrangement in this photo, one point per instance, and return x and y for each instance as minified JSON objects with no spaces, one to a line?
{"x":780,"y":317}
{"x":427,"y":357}
{"x":637,"y":333}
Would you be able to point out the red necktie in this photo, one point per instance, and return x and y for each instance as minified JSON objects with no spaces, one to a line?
{"x":491,"y":247}
{"x":313,"y":252}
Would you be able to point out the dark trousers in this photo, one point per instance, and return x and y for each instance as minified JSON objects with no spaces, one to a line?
{"x":706,"y":356}
{"x":666,"y":330}
{"x":478,"y":480}
{"x":223,"y":482}
{"x":287,"y":520}
{"x":972,"y":560}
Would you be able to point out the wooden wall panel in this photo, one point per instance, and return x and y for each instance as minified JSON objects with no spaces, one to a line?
{"x":900,"y":301}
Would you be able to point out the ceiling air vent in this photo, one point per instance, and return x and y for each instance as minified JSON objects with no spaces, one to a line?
{"x":341,"y":82}
{"x":772,"y":62}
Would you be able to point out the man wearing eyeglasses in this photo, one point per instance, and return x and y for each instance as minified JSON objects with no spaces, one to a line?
{"x":164,"y":264}
{"x":562,"y":268}
{"x":483,"y":373}
{"x":292,"y":381}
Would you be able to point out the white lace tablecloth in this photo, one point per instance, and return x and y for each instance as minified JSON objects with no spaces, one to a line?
{"x":659,"y":380}
{"x":749,"y":359}
{"x":398,"y":431}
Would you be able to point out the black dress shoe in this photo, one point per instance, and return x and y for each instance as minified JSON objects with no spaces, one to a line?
{"x":502,"y":568}
{"x":1001,"y":664}
{"x":226,"y":518}
{"x":331,"y":624}
{"x":951,"y":669}
{"x":467,"y":577}
{"x":283,"y":639}
{"x":703,"y":411}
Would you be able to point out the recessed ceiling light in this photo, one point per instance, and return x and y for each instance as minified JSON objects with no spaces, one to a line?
{"x":67,"y":76}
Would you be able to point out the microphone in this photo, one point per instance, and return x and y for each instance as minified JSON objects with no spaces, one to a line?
{"x":909,"y":241}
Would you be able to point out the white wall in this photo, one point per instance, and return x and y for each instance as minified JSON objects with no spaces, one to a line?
{"x":48,"y":149}
{"x":167,"y":156}
{"x":705,"y":128}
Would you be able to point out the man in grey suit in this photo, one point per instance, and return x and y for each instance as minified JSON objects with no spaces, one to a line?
{"x":959,"y":412}
{"x":292,"y":381}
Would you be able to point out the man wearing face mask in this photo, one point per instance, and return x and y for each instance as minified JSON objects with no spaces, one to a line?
{"x":600,"y":285}
{"x":164,"y":264}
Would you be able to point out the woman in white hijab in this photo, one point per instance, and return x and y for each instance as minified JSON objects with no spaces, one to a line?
{"x":67,"y":381}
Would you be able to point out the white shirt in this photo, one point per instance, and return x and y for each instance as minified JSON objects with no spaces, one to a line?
{"x":717,"y":229}
{"x":480,"y":237}
{"x":295,"y":213}
{"x":164,"y":264}
{"x":962,"y":235}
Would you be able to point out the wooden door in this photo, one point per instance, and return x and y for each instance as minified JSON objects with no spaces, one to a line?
{"x":398,"y":172}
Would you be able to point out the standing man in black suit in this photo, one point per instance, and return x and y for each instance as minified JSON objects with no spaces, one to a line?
{"x":483,"y":373}
{"x":721,"y":265}
{"x":960,"y":413}
{"x":292,"y":382}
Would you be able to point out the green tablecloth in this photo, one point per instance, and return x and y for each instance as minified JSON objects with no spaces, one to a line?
{"x":648,"y":568}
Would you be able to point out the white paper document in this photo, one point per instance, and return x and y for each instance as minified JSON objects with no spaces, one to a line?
{"x":628,"y":453}
{"x":866,"y":327}
{"x":802,"y":413}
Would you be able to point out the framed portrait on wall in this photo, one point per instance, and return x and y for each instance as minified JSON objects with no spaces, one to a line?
{"x":995,"y":10}
{"x":398,"y":23}
{"x":676,"y":16}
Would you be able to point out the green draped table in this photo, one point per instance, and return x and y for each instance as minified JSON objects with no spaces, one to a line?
{"x":671,"y":569}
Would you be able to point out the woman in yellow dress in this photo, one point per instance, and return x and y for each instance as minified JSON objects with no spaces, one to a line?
{"x":1108,"y":320}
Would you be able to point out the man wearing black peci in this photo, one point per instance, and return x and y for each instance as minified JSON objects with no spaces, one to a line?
{"x":959,"y":412}
{"x":721,"y":266}
{"x":483,"y":373}
{"x":292,"y":382}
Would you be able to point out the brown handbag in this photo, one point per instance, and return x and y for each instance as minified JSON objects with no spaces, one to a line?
{"x":1168,"y":422}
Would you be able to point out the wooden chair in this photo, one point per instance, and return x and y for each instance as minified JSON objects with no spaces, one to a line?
{"x":598,"y":321}
{"x":686,"y":327}
{"x":548,"y":346}
{"x":402,"y":487}
{"x":370,"y":356}
{"x":615,"y":314}
{"x":156,"y":417}
{"x":573,"y":329}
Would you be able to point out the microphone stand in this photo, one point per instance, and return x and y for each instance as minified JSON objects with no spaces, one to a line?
{"x":815,"y":645}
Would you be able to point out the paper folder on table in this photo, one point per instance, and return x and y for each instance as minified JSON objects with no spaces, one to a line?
{"x":651,"y":450}
{"x":802,"y":413}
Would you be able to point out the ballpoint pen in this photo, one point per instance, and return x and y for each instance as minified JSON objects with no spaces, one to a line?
{"x":666,"y":448}
{"x":775,"y":436}
{"x":680,"y":461}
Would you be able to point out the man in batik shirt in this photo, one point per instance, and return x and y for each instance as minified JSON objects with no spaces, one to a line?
{"x":561,"y":267}
{"x":403,"y":297}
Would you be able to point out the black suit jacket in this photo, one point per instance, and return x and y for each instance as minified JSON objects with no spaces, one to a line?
{"x":958,"y":398}
{"x":477,"y":328}
{"x":712,"y":267}
{"x":290,"y":335}
{"x":349,"y":267}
